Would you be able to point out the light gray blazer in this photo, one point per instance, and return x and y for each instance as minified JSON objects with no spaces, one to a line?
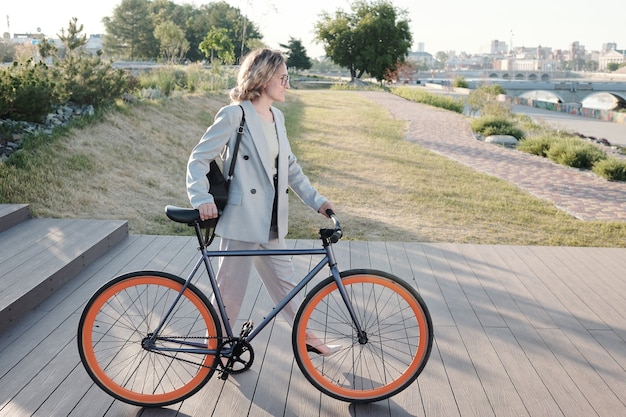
{"x":248,"y":213}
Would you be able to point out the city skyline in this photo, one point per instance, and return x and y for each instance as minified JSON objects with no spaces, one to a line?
{"x":452,"y":26}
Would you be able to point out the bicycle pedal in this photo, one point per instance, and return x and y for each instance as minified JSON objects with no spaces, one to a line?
{"x":246,"y":328}
{"x":224,"y":375}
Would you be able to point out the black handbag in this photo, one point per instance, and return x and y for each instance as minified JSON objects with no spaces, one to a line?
{"x":218,"y":184}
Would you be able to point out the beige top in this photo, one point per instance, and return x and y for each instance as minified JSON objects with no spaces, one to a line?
{"x":269,"y":128}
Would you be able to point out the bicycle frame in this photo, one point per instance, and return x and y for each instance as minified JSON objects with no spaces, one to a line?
{"x":205,"y":258}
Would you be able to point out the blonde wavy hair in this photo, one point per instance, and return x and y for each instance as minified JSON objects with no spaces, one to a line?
{"x":257,"y":69}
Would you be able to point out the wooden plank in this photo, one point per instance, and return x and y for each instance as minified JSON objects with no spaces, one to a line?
{"x":529,"y":385}
{"x":469,"y":394}
{"x":547,"y":270}
{"x":471,"y":273}
{"x":302,"y":398}
{"x":522,"y":285}
{"x":436,"y":390}
{"x":599,"y":291}
{"x":27,"y":241}
{"x":539,"y":360}
{"x":272,"y":387}
{"x":590,"y":386}
{"x":501,"y":394}
{"x":41,"y":275}
{"x":428,"y":286}
{"x":28,"y":383}
{"x":13,"y":214}
{"x":616,"y":348}
{"x":60,"y":305}
{"x":359,"y":255}
{"x":497,"y":280}
{"x":556,"y":381}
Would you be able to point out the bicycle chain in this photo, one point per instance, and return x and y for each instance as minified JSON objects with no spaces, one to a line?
{"x":225,"y":341}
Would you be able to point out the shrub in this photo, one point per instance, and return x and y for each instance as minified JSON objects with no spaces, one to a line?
{"x":491,"y":125}
{"x":27,"y":91}
{"x":436,"y":100}
{"x":612,"y":169}
{"x":484,"y":100}
{"x":538,"y":145}
{"x":460,"y":82}
{"x":166,"y":79}
{"x":90,"y":80}
{"x":575,"y":153}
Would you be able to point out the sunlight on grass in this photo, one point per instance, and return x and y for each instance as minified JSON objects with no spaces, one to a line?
{"x":132,"y":163}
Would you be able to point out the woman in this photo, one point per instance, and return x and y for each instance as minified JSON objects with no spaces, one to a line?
{"x":256,"y":214}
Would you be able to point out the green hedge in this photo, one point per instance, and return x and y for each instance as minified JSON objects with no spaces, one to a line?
{"x":436,"y":100}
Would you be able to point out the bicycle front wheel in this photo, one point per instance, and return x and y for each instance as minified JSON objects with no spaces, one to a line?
{"x":119,"y":319}
{"x":398,"y":328}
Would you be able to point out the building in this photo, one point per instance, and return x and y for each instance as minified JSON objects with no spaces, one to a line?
{"x":498,"y":47}
{"x":613,"y":56}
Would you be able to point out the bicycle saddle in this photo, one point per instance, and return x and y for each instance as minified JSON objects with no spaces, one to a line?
{"x":182,"y":215}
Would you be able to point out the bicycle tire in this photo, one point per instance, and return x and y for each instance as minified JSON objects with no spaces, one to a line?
{"x":398,"y":326}
{"x":122,"y":313}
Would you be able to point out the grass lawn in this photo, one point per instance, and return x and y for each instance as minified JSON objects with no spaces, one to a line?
{"x":132,"y":163}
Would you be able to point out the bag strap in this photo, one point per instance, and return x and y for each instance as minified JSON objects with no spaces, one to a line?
{"x":210,"y":229}
{"x":236,"y":151}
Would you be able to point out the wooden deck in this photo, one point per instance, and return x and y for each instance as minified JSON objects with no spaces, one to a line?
{"x":519,"y":331}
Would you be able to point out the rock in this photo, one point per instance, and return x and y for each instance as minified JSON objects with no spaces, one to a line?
{"x":504,"y":140}
{"x":61,"y":116}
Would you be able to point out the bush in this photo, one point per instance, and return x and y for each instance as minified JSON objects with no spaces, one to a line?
{"x":575,"y":153}
{"x":484,"y":100}
{"x":490,"y":125}
{"x":538,"y":145}
{"x":27,"y":91}
{"x":436,"y":100}
{"x":90,"y":80}
{"x":460,"y":82}
{"x":611,"y":168}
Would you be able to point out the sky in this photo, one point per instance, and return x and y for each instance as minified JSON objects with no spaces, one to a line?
{"x":454,"y":25}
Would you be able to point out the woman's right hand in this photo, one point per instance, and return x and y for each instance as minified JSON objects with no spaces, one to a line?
{"x":207,"y":211}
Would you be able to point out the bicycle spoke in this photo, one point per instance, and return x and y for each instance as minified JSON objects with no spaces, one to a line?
{"x":398,"y":329}
{"x":121,"y":317}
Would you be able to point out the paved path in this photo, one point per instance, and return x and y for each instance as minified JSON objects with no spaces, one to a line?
{"x":580,"y":193}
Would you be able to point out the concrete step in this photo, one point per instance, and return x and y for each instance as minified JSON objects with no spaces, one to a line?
{"x":37,"y":256}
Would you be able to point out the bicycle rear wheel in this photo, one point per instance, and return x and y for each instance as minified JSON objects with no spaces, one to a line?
{"x":123,"y":313}
{"x":399,"y":336}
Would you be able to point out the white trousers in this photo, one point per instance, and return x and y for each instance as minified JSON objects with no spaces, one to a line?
{"x":276,"y":272}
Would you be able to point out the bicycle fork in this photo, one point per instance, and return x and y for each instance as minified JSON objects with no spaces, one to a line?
{"x":362,"y":335}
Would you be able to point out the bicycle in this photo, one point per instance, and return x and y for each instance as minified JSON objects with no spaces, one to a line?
{"x":151,"y":338}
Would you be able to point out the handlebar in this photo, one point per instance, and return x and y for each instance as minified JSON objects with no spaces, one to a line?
{"x":335,"y":233}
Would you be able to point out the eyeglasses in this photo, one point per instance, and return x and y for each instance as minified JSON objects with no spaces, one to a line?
{"x":284,"y":80}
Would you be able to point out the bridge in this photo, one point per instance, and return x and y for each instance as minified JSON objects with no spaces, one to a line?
{"x":612,"y":94}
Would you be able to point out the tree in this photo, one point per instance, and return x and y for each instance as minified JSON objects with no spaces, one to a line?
{"x":612,"y":66}
{"x":174,"y":45}
{"x":373,"y":39}
{"x":403,"y":72}
{"x":217,"y":44}
{"x":296,"y":57}
{"x":72,"y":40}
{"x":221,"y":15}
{"x":442,"y":58}
{"x":46,"y":48}
{"x":87,"y":79}
{"x":130,"y":32}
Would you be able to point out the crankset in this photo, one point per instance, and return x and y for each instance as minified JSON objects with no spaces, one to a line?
{"x":236,"y":356}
